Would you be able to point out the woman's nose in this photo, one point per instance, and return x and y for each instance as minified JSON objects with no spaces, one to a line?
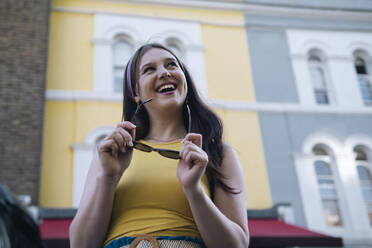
{"x":164,"y":73}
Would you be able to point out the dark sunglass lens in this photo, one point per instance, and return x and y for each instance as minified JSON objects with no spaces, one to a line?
{"x":170,"y":154}
{"x":142,"y":147}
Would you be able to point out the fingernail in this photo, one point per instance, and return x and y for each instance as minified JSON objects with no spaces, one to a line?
{"x":131,"y":143}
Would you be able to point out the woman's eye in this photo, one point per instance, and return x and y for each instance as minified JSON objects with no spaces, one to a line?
{"x":148,"y":69}
{"x":172,"y":63}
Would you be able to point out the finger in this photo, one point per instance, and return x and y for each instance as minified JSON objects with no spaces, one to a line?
{"x":119,"y":139}
{"x":191,"y":157}
{"x":189,"y":146}
{"x":186,"y":147}
{"x":126,"y":136}
{"x":196,"y":158}
{"x":129,"y":126}
{"x":109,"y":146}
{"x":195,"y":138}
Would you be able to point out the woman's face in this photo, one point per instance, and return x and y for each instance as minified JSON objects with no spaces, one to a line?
{"x":161,"y":77}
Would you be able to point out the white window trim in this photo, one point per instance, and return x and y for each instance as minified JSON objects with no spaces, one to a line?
{"x":356,"y":225}
{"x":140,"y":31}
{"x":328,"y":82}
{"x":339,"y":47}
{"x":83,"y":155}
{"x":366,"y":56}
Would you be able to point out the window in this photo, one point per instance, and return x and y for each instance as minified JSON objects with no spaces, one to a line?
{"x":327,"y":187}
{"x":122,"y":51}
{"x":318,"y":79}
{"x":365,"y":178}
{"x":175,"y":46}
{"x":364,"y":78}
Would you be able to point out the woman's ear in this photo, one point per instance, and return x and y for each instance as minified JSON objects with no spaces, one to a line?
{"x":137,"y":99}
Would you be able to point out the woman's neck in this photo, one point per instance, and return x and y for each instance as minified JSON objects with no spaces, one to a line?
{"x":166,"y":128}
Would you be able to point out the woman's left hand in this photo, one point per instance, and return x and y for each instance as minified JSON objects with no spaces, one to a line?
{"x":193,"y":162}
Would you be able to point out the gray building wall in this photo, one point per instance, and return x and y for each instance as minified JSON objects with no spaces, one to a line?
{"x":271,"y":66}
{"x":283,"y":133}
{"x":320,"y":4}
{"x":23,"y":55}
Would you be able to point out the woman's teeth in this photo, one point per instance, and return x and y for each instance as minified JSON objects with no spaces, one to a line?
{"x":167,"y":87}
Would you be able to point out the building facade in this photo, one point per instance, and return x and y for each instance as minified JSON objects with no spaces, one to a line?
{"x":312,"y":73}
{"x":23,"y":58}
{"x":90,"y":43}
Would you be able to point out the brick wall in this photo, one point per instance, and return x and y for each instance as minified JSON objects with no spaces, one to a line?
{"x":23,"y":56}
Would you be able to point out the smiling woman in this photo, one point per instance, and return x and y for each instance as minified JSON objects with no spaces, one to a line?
{"x":134,"y":197}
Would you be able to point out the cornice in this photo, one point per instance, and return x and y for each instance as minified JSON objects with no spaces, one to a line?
{"x":65,"y":95}
{"x":261,"y":9}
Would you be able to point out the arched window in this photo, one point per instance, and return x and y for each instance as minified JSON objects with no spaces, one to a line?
{"x":365,"y":177}
{"x":122,"y":51}
{"x":364,"y":77}
{"x":176,"y":47}
{"x":327,"y":187}
{"x":318,"y":79}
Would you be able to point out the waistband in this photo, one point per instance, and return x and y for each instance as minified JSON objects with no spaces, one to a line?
{"x":126,"y":241}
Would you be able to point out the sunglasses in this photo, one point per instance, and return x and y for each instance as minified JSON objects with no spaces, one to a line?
{"x":172,"y":154}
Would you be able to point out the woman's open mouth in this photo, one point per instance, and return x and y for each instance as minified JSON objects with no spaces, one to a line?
{"x":166,"y":88}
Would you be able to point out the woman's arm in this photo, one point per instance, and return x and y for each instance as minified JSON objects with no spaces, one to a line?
{"x":114,"y":153}
{"x":89,"y":227}
{"x":223,"y":223}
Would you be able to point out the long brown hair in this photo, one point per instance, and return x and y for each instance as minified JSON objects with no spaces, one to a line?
{"x":204,"y":120}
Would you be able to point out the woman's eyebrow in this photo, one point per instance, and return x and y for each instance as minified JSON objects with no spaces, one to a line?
{"x":151,"y":63}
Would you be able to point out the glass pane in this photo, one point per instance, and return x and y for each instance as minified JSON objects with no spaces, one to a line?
{"x":122,"y":53}
{"x":360,"y":154}
{"x":369,"y":211}
{"x":314,"y":58}
{"x":317,"y":76}
{"x":319,"y":150}
{"x":321,"y":97}
{"x":367,"y":194}
{"x":364,"y":173}
{"x":360,"y":66}
{"x":328,"y":193}
{"x":176,"y":50}
{"x":118,"y":79}
{"x":322,"y":168}
{"x":326,"y":181}
{"x":332,"y":213}
{"x":365,"y":88}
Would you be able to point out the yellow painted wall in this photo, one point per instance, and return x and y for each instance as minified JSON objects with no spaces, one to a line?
{"x":242,"y":132}
{"x":152,"y":10}
{"x":65,"y":124}
{"x":70,"y":67}
{"x":227,"y":63}
{"x":70,"y":55}
{"x":57,"y":160}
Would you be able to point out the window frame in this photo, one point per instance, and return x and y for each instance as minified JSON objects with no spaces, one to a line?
{"x":362,"y":54}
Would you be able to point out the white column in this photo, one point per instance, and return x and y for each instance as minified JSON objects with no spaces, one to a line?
{"x":354,"y":206}
{"x":309,"y":191}
{"x":195,"y":63}
{"x":83,"y":155}
{"x":303,"y":80}
{"x":103,"y":74}
{"x":345,"y":85}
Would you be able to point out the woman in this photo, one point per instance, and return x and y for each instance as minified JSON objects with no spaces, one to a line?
{"x":188,"y":192}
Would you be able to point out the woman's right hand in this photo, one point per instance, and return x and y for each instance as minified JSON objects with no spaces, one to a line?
{"x":115,"y":151}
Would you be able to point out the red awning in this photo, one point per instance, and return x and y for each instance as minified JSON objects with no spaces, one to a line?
{"x":55,"y":232}
{"x":264,"y":233}
{"x":273,"y":232}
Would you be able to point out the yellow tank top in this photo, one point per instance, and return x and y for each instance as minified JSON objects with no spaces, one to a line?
{"x":149,"y":198}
